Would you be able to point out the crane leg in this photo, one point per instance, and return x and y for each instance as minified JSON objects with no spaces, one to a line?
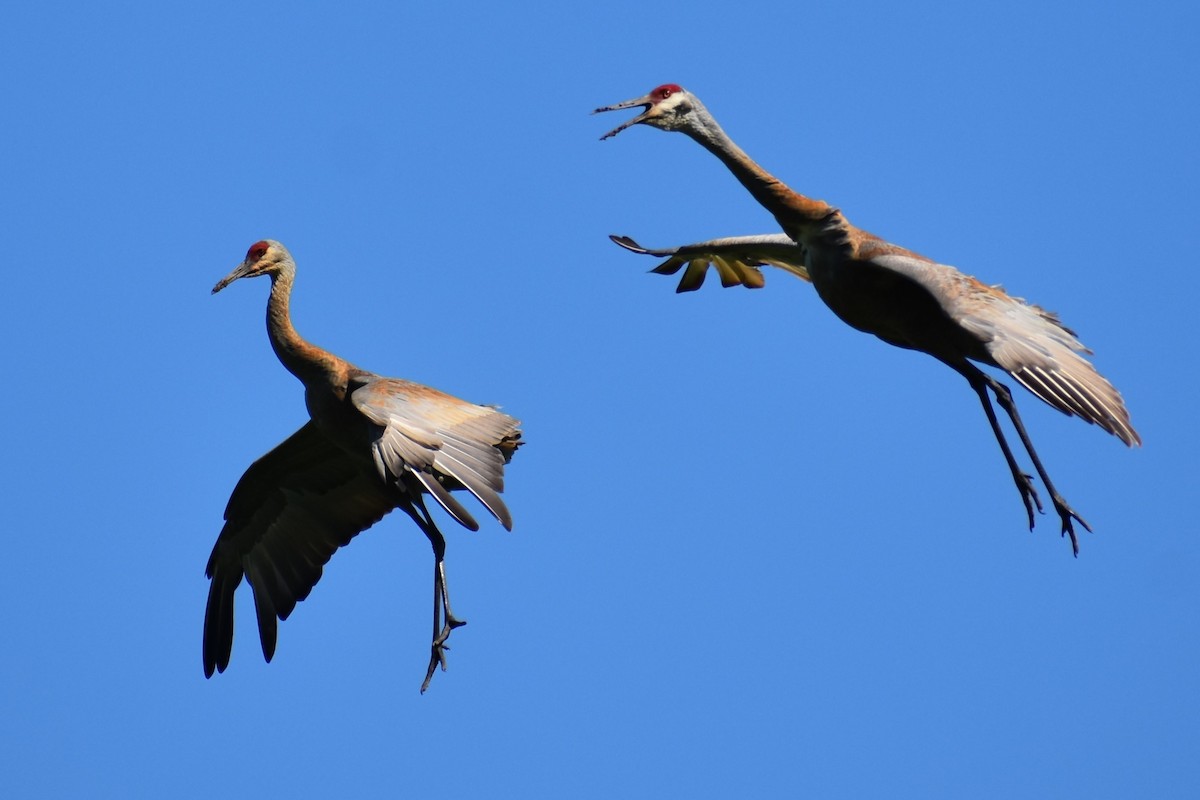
{"x":441,"y":605}
{"x":980,"y":381}
{"x":441,"y":594}
{"x":1065,"y":512}
{"x":1023,"y":479}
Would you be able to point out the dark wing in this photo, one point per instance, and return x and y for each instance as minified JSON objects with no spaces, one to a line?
{"x":288,"y":514}
{"x":443,"y":442}
{"x":735,"y":258}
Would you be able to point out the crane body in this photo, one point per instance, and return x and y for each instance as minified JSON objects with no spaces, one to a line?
{"x":372,"y":444}
{"x":900,"y":296}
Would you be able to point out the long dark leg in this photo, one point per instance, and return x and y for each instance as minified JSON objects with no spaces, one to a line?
{"x":1065,"y":512}
{"x":980,"y":381}
{"x":441,"y":594}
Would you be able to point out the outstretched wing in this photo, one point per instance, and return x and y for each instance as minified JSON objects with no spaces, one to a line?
{"x":443,"y":442}
{"x":289,"y":512}
{"x":737,"y":259}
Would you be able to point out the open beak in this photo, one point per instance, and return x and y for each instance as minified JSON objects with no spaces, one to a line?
{"x":240,"y":271}
{"x":641,"y":101}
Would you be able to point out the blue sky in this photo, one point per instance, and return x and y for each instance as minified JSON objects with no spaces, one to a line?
{"x":755,"y":552}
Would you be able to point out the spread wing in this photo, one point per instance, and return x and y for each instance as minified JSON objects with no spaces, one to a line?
{"x":441,"y":441}
{"x":736,"y":259}
{"x":289,"y":512}
{"x":1026,"y":341}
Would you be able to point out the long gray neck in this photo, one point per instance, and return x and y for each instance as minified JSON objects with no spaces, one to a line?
{"x":794,"y":211}
{"x":306,"y":361}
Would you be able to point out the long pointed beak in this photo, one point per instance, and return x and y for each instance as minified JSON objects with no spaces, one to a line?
{"x":240,"y":271}
{"x":640,"y":101}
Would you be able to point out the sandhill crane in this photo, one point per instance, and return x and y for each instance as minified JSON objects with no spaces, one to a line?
{"x":903,"y":298}
{"x":372,"y":444}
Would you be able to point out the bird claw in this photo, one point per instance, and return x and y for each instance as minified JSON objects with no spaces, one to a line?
{"x":1028,"y":492}
{"x":1066,"y":514}
{"x":451,"y":624}
{"x":437,"y":656}
{"x":437,"y":651}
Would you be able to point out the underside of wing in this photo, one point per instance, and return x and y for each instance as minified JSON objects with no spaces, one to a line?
{"x":291,"y":510}
{"x":444,"y":442}
{"x":736,"y":259}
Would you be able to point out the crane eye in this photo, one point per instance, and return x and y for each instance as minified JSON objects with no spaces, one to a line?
{"x":257,"y":251}
{"x":665,"y":90}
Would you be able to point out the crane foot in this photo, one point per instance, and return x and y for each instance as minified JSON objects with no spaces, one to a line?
{"x":1029,"y":495}
{"x":1066,"y":514}
{"x":437,"y":651}
{"x":451,"y":623}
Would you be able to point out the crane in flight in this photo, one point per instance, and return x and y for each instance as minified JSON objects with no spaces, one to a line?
{"x":903,"y":298}
{"x":372,"y":444}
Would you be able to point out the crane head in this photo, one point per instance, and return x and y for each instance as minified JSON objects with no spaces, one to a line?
{"x":666,"y":108}
{"x":263,"y":258}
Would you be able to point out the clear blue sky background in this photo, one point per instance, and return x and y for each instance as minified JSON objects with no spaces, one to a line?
{"x":756,"y":552}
